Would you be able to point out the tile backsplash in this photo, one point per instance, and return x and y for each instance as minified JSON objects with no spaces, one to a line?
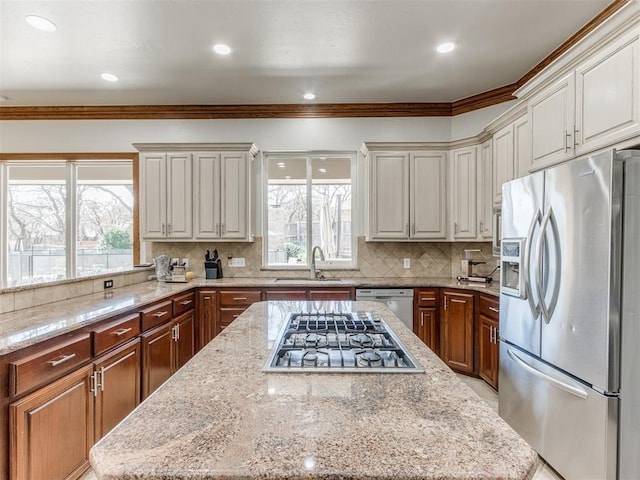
{"x":375,"y":259}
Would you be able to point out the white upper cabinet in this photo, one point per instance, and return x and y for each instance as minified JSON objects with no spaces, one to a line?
{"x":222,"y":196}
{"x":608,"y":96}
{"x":463,"y":192}
{"x":485,"y":190}
{"x":195,"y":191}
{"x":407,"y":195}
{"x":165,"y":196}
{"x":389,"y":202}
{"x":593,"y":106}
{"x":502,"y":160}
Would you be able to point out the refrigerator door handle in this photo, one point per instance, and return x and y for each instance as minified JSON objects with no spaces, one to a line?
{"x":547,"y":310}
{"x":535,"y":309}
{"x":578,"y":392}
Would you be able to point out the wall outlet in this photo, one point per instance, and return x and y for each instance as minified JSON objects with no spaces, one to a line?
{"x":407,"y":263}
{"x":497,"y":262}
{"x":108,"y":284}
{"x":236,"y":262}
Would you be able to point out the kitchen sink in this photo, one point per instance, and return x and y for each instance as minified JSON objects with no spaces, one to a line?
{"x":321,"y":281}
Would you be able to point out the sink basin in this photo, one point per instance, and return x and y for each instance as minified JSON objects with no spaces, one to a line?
{"x":322,"y":281}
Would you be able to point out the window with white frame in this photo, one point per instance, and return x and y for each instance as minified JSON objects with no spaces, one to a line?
{"x":65,"y":219}
{"x":309,"y":202}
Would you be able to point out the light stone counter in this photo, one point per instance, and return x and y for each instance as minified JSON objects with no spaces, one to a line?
{"x":22,"y":328}
{"x":220,"y":417}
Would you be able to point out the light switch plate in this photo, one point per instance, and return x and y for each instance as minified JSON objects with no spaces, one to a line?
{"x":236,"y":262}
{"x":407,"y":263}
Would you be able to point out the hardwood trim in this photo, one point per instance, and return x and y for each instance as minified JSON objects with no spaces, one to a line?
{"x":485,"y":99}
{"x":136,"y":209}
{"x":326,"y":110}
{"x":164,"y":112}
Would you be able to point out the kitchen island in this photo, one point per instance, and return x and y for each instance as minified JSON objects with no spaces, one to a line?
{"x":221,"y":416}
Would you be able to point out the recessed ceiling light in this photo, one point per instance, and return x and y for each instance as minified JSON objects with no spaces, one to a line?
{"x":446,"y":47}
{"x":287,"y":177}
{"x":322,"y":170}
{"x":281,"y":165}
{"x":109,"y":77}
{"x":222,"y":49}
{"x":40,"y":23}
{"x":309,"y":96}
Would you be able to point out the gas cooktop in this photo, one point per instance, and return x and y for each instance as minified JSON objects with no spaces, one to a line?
{"x":339,"y":342}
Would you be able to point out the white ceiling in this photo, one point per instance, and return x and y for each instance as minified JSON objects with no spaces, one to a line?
{"x":346,"y":51}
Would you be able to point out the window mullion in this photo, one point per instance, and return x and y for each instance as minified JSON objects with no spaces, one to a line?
{"x":71,"y":220}
{"x":309,"y":211}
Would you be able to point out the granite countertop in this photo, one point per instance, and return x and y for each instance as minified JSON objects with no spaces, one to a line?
{"x":220,"y":416}
{"x":22,"y":328}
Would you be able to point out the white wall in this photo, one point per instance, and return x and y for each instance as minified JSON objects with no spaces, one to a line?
{"x":267,"y":134}
{"x":470,"y":124}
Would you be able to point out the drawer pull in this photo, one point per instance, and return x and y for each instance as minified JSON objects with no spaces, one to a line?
{"x":186,"y":302}
{"x":239,"y":298}
{"x":64,"y":358}
{"x":122,"y":331}
{"x":236,"y":316}
{"x":428,"y":299}
{"x":494,"y":309}
{"x":160,"y":314}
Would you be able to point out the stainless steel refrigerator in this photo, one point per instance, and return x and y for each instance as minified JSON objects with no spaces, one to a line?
{"x":570,"y":314}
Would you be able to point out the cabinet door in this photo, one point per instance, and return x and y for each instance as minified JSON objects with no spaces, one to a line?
{"x":157,"y":358}
{"x":502,"y":161}
{"x":485,"y":191}
{"x":118,"y":386}
{"x":179,"y":196}
{"x":457,"y":341}
{"x":184,"y":333}
{"x":428,"y":328}
{"x":52,"y":429}
{"x":153,"y":196}
{"x":389,"y":202}
{"x":206,"y":195}
{"x":464,"y":200}
{"x":607,"y":100}
{"x":206,"y":317}
{"x":551,"y":119}
{"x":488,"y":355}
{"x":235,"y":196}
{"x":428,"y":206}
{"x":521,"y":147}
{"x":290,"y":294}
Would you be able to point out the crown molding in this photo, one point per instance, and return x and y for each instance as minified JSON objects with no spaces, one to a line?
{"x":197,"y":147}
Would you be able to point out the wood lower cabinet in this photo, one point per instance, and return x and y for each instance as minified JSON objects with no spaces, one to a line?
{"x":488,"y":356}
{"x":457,"y":330}
{"x":426,"y":321}
{"x":207,"y":307}
{"x":183,"y":336}
{"x":116,"y":386}
{"x":52,"y":429}
{"x":157,"y":358}
{"x":165,"y":349}
{"x":231,"y":304}
{"x":329,"y":294}
{"x":289,"y":294}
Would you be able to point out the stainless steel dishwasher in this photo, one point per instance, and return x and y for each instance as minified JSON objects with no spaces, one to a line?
{"x":399,"y":301}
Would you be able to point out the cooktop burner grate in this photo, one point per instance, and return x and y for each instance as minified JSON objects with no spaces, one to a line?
{"x":340,"y":342}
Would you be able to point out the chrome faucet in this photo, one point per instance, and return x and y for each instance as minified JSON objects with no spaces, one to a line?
{"x":313,"y":272}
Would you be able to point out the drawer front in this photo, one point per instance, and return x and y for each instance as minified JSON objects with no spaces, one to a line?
{"x":490,"y":307}
{"x":239,"y":297}
{"x":330,"y":294}
{"x":41,"y":367}
{"x":183,"y":303}
{"x":286,"y":295}
{"x":156,"y":315}
{"x":115,"y":333}
{"x":427,"y":298}
{"x":228,"y":315}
